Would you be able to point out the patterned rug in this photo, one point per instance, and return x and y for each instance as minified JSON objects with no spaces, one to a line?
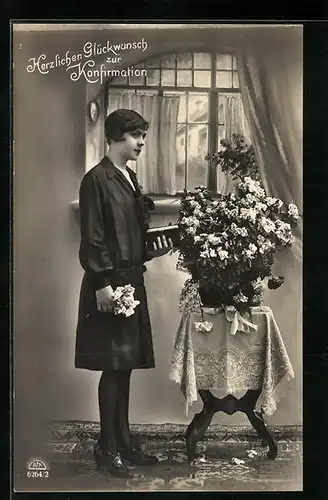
{"x":229,"y":459}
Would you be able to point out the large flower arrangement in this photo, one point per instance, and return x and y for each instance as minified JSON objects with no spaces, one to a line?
{"x":228,"y":241}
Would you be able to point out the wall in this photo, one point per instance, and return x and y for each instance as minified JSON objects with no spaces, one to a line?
{"x":49,"y":159}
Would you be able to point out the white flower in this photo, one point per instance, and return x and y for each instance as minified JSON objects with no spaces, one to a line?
{"x":235,"y":230}
{"x":118,"y":292}
{"x":283,"y":226}
{"x":197,"y":239}
{"x":270,"y":201}
{"x":252,"y":247}
{"x":191,"y":230}
{"x":249,"y":254}
{"x":190,"y":221}
{"x":223,"y":254}
{"x":265,"y":246}
{"x":248,"y":214}
{"x":260,"y":207}
{"x":293,"y":211}
{"x":253,"y":187}
{"x":123,"y":301}
{"x":212,"y":252}
{"x":240,"y":297}
{"x":273,"y":201}
{"x":129,"y":312}
{"x":267,"y":224}
{"x":214,"y":240}
{"x":198,"y":212}
{"x":250,"y":198}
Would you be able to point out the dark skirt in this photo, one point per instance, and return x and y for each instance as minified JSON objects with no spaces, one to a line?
{"x":105,"y":341}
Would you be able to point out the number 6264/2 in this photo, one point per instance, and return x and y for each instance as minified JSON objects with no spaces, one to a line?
{"x":38,"y":473}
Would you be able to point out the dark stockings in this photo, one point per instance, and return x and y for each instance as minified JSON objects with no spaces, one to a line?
{"x":113,"y":397}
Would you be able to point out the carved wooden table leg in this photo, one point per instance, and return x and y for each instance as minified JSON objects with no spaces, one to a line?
{"x":197,"y":427}
{"x":258,"y":422}
{"x":229,"y":405}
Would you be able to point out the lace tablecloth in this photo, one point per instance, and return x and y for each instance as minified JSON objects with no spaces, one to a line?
{"x":235,"y":355}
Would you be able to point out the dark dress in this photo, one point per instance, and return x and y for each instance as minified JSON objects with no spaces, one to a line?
{"x":114,"y":219}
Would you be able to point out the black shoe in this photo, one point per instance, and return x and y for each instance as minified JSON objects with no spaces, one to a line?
{"x":136,"y":456}
{"x":111,"y":463}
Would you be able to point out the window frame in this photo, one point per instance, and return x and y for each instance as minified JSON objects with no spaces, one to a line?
{"x":213,"y":97}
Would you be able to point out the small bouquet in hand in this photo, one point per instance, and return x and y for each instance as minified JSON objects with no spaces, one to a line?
{"x":124,"y":302}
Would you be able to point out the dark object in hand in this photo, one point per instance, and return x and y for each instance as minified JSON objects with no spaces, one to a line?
{"x":275,"y":282}
{"x":170,"y":231}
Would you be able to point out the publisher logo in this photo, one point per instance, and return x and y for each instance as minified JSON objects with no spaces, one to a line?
{"x":37,"y":468}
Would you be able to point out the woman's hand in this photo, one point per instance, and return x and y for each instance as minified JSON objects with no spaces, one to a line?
{"x":104,"y":299}
{"x":161,"y":246}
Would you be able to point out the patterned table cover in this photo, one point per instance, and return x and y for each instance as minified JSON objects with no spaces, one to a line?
{"x":235,"y":355}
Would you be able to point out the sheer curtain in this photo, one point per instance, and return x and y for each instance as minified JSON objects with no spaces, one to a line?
{"x":155,"y":168}
{"x":271,"y":86}
{"x":232,"y":120}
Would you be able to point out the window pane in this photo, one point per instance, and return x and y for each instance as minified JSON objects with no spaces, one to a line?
{"x":168,"y":61}
{"x":181,"y":155}
{"x":184,"y":78}
{"x":152,"y":77}
{"x":182,"y":109}
{"x":196,"y":152}
{"x":235,"y":79}
{"x":202,"y":61}
{"x":120,"y":80}
{"x":168,"y":77}
{"x":221,"y":112}
{"x":182,"y":104}
{"x":202,"y":78}
{"x":184,"y":60}
{"x":198,"y":108}
{"x":231,"y":116}
{"x":223,"y":79}
{"x":223,"y":62}
{"x":152,"y":63}
{"x":136,"y":80}
{"x":221,"y":134}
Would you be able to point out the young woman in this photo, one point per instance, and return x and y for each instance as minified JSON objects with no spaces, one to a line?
{"x":114,"y":218}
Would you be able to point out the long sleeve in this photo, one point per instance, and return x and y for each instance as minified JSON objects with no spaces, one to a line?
{"x":94,"y":252}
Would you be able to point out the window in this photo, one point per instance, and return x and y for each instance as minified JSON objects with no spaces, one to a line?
{"x":210,"y":107}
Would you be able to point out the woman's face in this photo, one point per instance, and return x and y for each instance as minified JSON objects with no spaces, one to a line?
{"x":131,"y":147}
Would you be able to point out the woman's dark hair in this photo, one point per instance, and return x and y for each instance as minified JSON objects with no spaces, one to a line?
{"x":121,"y":121}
